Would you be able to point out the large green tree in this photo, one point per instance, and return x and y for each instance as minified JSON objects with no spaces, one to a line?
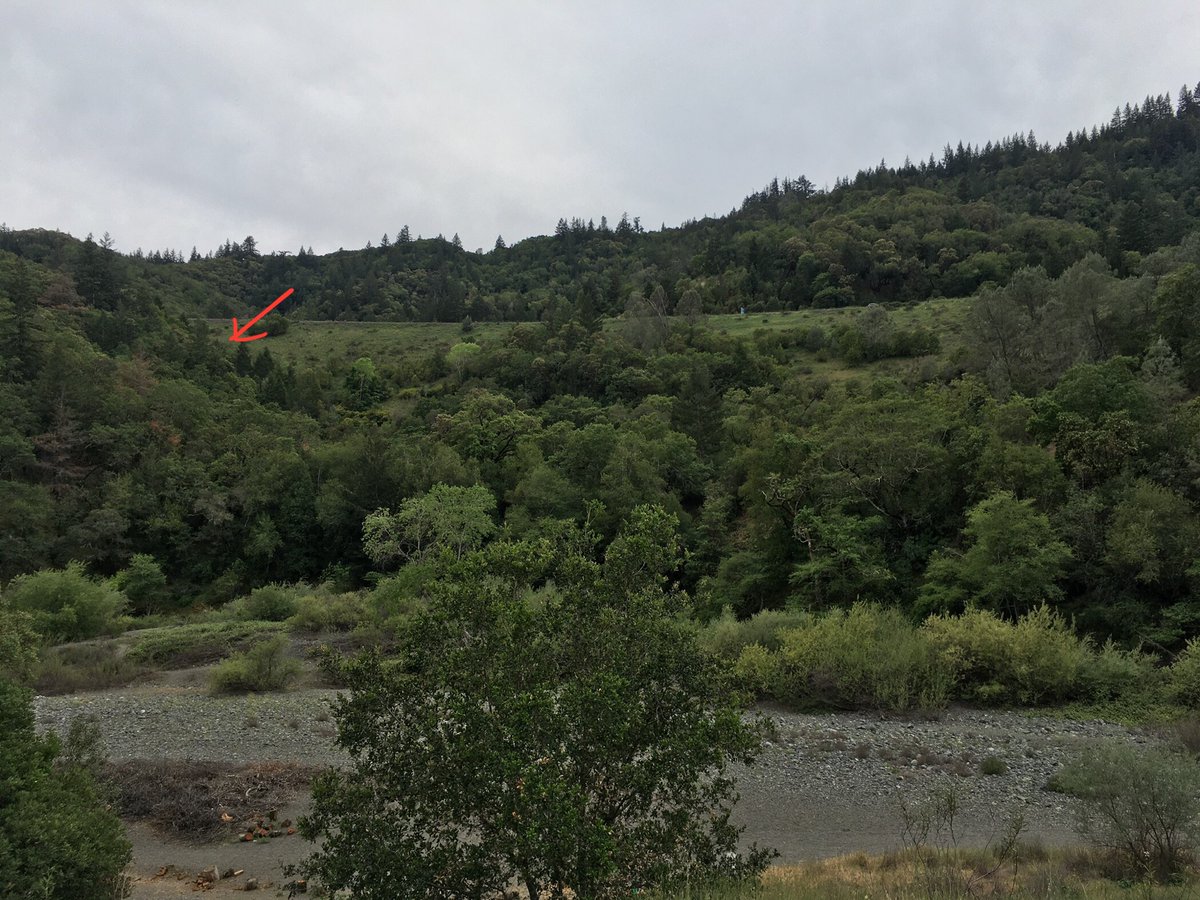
{"x":572,"y":738}
{"x":1012,"y":563}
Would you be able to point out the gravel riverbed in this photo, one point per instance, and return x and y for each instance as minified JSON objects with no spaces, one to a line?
{"x":828,"y":783}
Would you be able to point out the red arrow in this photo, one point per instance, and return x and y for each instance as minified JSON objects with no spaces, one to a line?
{"x":239,"y":334}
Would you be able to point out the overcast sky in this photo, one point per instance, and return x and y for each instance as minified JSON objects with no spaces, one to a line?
{"x":179,"y":124}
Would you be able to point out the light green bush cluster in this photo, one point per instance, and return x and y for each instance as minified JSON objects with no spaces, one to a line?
{"x":727,"y":635}
{"x":65,"y":604}
{"x":1036,"y":660}
{"x":269,"y":603}
{"x":868,"y":656}
{"x":1183,"y":677}
{"x":302,"y":607}
{"x":264,"y":667}
{"x":323,"y":611}
{"x":874,"y":657}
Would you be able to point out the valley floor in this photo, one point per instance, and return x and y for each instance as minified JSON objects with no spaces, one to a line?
{"x":828,"y":784}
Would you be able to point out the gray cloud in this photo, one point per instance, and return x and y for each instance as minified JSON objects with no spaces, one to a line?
{"x":328,"y":124}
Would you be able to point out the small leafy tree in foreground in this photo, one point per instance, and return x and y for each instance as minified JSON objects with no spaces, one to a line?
{"x":556,"y":726}
{"x":58,"y":839}
{"x":1143,"y":803}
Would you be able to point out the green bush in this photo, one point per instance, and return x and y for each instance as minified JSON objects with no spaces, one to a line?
{"x":1183,"y":677}
{"x":264,"y":667}
{"x":65,"y":604}
{"x":869,"y":656}
{"x":727,"y":636}
{"x":180,"y":646}
{"x":18,"y":643}
{"x":1143,"y":803}
{"x":58,"y":838}
{"x":756,"y":670}
{"x":328,"y":612}
{"x":144,"y":583}
{"x":992,"y":765}
{"x":269,"y":603}
{"x":1039,"y":659}
{"x":1111,"y":673}
{"x":402,"y":594}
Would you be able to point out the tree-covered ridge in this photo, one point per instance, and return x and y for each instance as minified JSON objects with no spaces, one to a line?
{"x":1048,"y":452}
{"x":941,"y":227}
{"x":1050,"y":457}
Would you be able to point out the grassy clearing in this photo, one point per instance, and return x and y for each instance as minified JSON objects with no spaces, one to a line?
{"x":95,"y":665}
{"x":945,"y":316}
{"x":315,"y":343}
{"x":197,"y":643}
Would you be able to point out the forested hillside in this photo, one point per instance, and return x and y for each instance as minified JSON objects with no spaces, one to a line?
{"x":1038,"y":440}
{"x":941,"y":227}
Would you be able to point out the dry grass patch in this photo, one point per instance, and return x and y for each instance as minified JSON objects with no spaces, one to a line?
{"x":1032,"y":872}
{"x":94,"y":666}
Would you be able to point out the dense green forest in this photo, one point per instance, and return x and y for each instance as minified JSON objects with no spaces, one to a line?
{"x":1046,"y":449}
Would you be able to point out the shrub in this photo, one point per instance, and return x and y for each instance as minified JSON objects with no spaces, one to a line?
{"x":325,"y":612}
{"x":728,"y":636}
{"x":264,"y":667}
{"x":992,"y":765}
{"x":17,"y":643}
{"x":143,"y":582}
{"x":1183,"y":677}
{"x":1037,"y":660}
{"x":65,"y":604}
{"x":401,"y":595}
{"x":756,"y":670}
{"x":1048,"y":659}
{"x":869,"y":656}
{"x":1185,"y":733}
{"x":1111,"y":673}
{"x":269,"y":603}
{"x":57,"y":837}
{"x":1142,"y":803}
